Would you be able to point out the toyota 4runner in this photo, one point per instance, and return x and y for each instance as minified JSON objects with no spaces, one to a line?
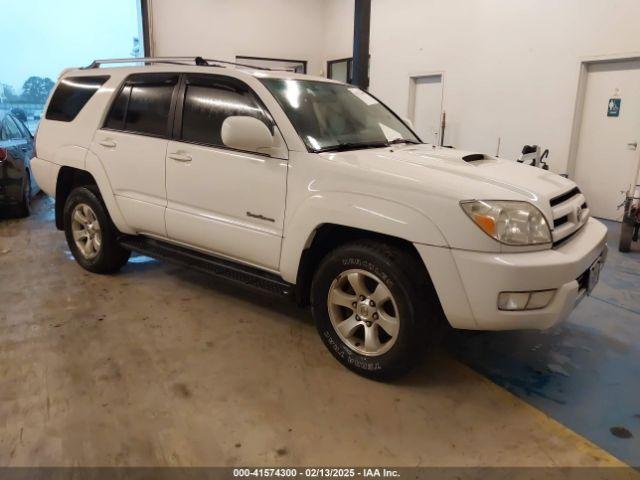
{"x":315,"y":189}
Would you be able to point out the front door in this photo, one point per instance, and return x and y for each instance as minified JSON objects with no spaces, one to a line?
{"x":607,"y":155}
{"x":222,"y":200}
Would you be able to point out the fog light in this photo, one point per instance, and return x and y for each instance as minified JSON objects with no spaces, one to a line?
{"x":535,"y":300}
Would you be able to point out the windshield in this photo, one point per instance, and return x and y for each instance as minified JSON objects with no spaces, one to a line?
{"x":334,"y":116}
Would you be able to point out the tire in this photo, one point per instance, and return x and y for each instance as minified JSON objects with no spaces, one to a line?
{"x":86,"y":218}
{"x":405,"y":326}
{"x":24,"y":207}
{"x":626,"y":235}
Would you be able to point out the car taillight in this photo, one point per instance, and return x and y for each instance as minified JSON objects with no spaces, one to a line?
{"x":3,"y":154}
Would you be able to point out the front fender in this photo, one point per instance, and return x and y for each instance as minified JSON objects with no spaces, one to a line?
{"x":352,"y":210}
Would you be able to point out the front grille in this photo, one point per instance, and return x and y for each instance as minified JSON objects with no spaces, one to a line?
{"x":570,"y":213}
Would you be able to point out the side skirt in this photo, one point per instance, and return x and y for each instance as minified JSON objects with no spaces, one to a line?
{"x":216,"y":266}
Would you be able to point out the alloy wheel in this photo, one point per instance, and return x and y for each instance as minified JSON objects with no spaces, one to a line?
{"x":363,"y":312}
{"x":86,"y":231}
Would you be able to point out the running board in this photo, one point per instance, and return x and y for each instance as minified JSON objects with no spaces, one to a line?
{"x":219,"y":267}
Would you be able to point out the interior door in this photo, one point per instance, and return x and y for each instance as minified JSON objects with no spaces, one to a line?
{"x":427,"y":107}
{"x":607,"y":155}
{"x":132,"y":146}
{"x":222,"y":200}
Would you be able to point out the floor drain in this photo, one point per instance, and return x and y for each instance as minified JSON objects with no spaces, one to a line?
{"x":621,"y":432}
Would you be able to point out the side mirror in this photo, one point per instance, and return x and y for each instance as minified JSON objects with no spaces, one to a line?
{"x":408,"y":122}
{"x":246,"y":133}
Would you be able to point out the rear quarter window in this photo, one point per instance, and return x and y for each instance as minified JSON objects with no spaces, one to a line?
{"x":71,"y":95}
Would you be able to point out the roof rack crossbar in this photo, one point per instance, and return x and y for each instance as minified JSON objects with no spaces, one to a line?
{"x":206,"y":62}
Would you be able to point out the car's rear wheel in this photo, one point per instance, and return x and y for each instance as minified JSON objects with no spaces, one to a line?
{"x":24,"y":208}
{"x":375,"y":308}
{"x":90,"y":233}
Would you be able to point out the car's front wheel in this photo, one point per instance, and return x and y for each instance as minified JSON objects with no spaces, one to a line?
{"x":375,"y":308}
{"x":90,"y":233}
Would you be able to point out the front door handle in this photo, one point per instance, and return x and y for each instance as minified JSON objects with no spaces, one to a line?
{"x":632,"y":145}
{"x":180,"y":157}
{"x":108,"y":143}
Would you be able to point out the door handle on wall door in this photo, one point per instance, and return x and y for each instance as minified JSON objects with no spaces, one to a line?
{"x":180,"y":157}
{"x":108,"y":143}
{"x":632,"y":145}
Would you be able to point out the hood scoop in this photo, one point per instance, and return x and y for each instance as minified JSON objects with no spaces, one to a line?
{"x":474,"y":157}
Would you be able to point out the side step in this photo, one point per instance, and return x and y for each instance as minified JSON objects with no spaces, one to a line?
{"x":249,"y":276}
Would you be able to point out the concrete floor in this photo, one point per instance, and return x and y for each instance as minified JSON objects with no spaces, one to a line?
{"x":158,"y":365}
{"x":584,"y":372}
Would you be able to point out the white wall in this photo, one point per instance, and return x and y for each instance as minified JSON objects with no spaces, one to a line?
{"x":337,"y":39}
{"x":511,"y":66}
{"x":222,"y":29}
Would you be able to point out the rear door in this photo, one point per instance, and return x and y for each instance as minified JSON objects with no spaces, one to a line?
{"x":223,"y":200}
{"x":132,"y":146}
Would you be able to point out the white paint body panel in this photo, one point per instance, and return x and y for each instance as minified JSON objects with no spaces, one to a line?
{"x":211,"y":196}
{"x":135,"y":166}
{"x":264,"y":210}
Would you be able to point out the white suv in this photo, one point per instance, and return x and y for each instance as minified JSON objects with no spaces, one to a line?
{"x":312,"y":188}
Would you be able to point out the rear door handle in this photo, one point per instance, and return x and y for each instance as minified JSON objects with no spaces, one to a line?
{"x":632,"y":145}
{"x":180,"y":157}
{"x":108,"y":143}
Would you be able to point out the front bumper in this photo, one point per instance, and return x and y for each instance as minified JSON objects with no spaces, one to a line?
{"x":468,"y":283}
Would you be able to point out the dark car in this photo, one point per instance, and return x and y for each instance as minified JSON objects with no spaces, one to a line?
{"x":17,"y":185}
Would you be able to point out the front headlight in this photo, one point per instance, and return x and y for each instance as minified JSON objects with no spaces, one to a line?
{"x":509,"y":222}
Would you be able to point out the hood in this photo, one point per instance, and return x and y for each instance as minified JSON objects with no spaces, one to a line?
{"x":446,"y":171}
{"x":505,"y":174}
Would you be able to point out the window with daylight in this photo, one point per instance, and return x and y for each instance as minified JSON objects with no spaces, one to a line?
{"x":30,"y":68}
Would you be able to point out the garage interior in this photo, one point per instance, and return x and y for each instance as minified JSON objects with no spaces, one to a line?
{"x":160,"y":366}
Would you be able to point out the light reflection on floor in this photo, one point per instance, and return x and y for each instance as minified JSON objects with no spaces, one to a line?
{"x":141,"y":259}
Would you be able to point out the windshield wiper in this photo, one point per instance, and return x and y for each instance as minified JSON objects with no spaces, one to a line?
{"x":403,"y":140}
{"x":340,"y":147}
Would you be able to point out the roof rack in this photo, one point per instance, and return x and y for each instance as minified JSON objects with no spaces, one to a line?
{"x":199,"y":61}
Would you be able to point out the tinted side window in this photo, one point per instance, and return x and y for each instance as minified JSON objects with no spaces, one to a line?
{"x":209,"y":101}
{"x":72,"y":94}
{"x":4,"y":130}
{"x":26,"y":134}
{"x":115,"y":120}
{"x":149,"y":105}
{"x":11,"y":130}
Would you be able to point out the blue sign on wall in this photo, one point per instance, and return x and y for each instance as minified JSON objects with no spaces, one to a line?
{"x":613,"y":109}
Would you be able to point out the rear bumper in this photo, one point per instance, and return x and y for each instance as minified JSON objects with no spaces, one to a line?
{"x":468,"y":283}
{"x":11,"y":181}
{"x":46,"y":174}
